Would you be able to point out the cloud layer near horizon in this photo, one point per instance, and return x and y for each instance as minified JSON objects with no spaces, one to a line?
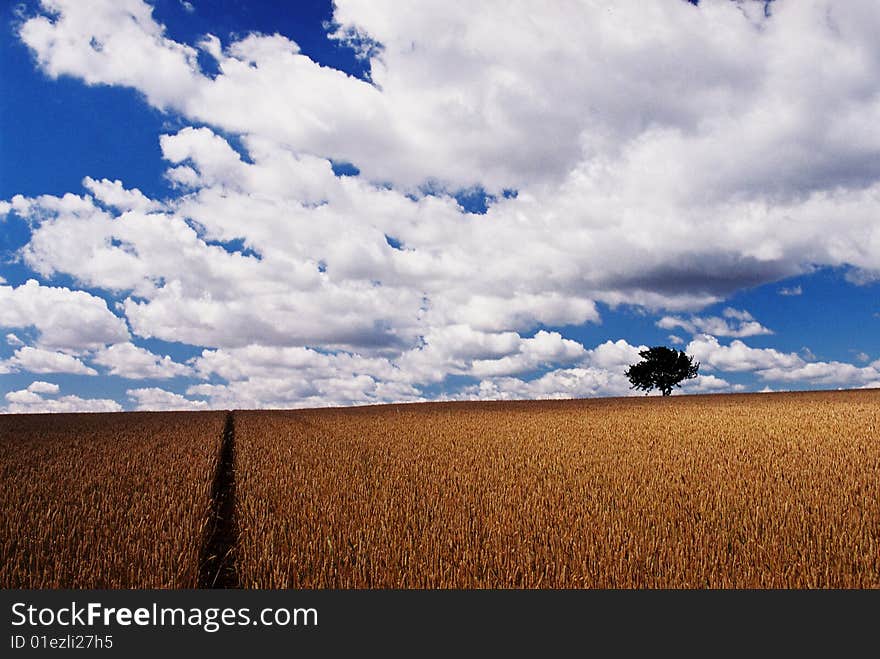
{"x":663,"y":155}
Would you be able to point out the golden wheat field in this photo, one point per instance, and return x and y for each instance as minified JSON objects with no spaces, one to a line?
{"x":761,"y":490}
{"x":752,"y":491}
{"x":105,"y":500}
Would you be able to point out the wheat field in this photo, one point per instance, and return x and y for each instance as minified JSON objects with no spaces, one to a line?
{"x":105,"y":500}
{"x":746,"y":491}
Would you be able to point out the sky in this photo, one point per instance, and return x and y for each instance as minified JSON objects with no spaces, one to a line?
{"x":217,"y":204}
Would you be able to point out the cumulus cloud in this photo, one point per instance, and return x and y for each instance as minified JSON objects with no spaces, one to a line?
{"x":270,"y":361}
{"x":40,"y":387}
{"x":544,"y":349}
{"x":301,"y":377}
{"x":561,"y":383}
{"x":709,"y":384}
{"x":130,"y":361}
{"x":737,"y":356}
{"x":773,"y":365}
{"x":266,"y":376}
{"x":735,"y":322}
{"x":667,"y":170}
{"x":614,"y":355}
{"x":602,"y":374}
{"x":112,"y":193}
{"x":33,"y":401}
{"x":292,"y":391}
{"x":825,"y":373}
{"x":485,"y":102}
{"x":807,"y":354}
{"x":863,"y":276}
{"x":154,"y":398}
{"x":64,"y":319}
{"x":114,"y":42}
{"x":39,"y":360}
{"x":23,"y":397}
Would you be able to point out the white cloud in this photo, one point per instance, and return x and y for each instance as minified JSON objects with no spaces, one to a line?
{"x":615,"y":355}
{"x":39,"y":360}
{"x":735,"y":323}
{"x":65,"y":319}
{"x":791,"y":290}
{"x":463,"y":97}
{"x":23,"y":397}
{"x":561,"y":383}
{"x":738,"y":356}
{"x":863,"y":276}
{"x":154,"y":398}
{"x":580,"y":383}
{"x":807,"y":354}
{"x":112,"y":42}
{"x":300,"y":377}
{"x":664,"y":155}
{"x":112,"y":193}
{"x":824,"y":373}
{"x":293,"y":391}
{"x":13,"y":340}
{"x":29,"y":401}
{"x":270,"y":361}
{"x":709,"y":384}
{"x":214,"y":160}
{"x":130,"y":361}
{"x":775,"y":366}
{"x":458,"y":349}
{"x":265,"y":376}
{"x":40,"y":387}
{"x":546,"y":348}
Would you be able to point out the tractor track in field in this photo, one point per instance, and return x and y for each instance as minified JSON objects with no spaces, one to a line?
{"x":217,"y":558}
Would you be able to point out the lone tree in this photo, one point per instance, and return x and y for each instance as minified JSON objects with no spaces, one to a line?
{"x":662,"y":368}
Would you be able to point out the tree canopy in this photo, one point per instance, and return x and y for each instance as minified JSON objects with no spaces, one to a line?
{"x":661,"y":368}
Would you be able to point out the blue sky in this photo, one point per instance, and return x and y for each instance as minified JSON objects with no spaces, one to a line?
{"x":227,"y":204}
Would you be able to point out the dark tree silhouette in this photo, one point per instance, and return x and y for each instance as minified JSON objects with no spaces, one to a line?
{"x":662,"y":368}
